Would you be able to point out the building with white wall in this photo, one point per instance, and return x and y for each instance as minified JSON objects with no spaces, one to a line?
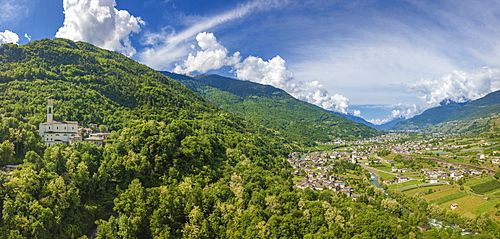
{"x":57,"y":132}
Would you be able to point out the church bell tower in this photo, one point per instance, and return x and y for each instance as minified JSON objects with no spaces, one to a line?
{"x":50,"y":109}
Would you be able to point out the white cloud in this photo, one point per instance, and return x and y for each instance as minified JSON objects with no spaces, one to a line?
{"x":8,"y":37}
{"x":27,"y":36}
{"x":11,"y":10}
{"x":168,"y":47}
{"x":356,"y":113}
{"x":100,"y":23}
{"x":212,"y":56}
{"x":273,"y":72}
{"x":459,"y":86}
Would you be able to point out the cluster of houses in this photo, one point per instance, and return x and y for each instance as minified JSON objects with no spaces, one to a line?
{"x":316,"y":168}
{"x":67,"y":132}
{"x":317,"y":176}
{"x":455,"y":174}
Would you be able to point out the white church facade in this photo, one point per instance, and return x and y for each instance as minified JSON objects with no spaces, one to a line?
{"x":58,"y":132}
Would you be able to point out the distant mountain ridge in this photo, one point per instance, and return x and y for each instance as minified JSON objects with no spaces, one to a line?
{"x":357,"y":119}
{"x":458,"y":113}
{"x":274,"y":108}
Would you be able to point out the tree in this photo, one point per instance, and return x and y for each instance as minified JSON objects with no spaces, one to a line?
{"x":497,"y":175}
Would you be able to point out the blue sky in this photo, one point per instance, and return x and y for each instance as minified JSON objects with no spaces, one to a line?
{"x":377,"y":59}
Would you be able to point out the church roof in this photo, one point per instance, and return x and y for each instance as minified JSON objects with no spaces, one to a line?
{"x":61,"y":122}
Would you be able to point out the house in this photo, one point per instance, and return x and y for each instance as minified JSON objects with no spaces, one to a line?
{"x":75,"y":139}
{"x":456,"y":176}
{"x":480,"y":157}
{"x":56,"y":132}
{"x":433,"y":180}
{"x":495,"y":161}
{"x":348,"y":191}
{"x":453,"y":206}
{"x":423,"y":228}
{"x":402,"y":178}
{"x":10,"y":168}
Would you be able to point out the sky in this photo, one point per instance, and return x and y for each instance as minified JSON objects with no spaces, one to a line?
{"x":377,"y":59}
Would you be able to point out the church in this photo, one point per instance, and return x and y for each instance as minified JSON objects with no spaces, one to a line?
{"x":58,"y":132}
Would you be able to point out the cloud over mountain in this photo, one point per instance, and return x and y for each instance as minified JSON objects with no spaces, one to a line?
{"x":100,"y":23}
{"x":8,"y":37}
{"x":273,"y":72}
{"x":458,"y":86}
{"x":212,"y":56}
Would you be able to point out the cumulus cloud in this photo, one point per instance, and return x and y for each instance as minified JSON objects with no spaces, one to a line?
{"x":458,"y":86}
{"x":168,"y":46}
{"x":357,"y":113}
{"x":100,"y":23}
{"x":8,"y":37}
{"x":27,"y":36}
{"x":273,"y":72}
{"x":212,"y":56}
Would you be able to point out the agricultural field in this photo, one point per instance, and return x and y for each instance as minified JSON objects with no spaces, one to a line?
{"x":404,"y":184}
{"x":449,"y":197}
{"x":486,"y":187}
{"x":385,"y":176}
{"x":466,"y":205}
{"x":442,"y":193}
{"x":425,"y":189}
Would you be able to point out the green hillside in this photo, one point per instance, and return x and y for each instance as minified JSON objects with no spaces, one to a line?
{"x":429,"y":117}
{"x":176,"y":166}
{"x":276,"y":109}
{"x":469,"y":118}
{"x":484,"y":107}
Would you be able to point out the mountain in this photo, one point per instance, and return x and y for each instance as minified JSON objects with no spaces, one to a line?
{"x":430,"y":116}
{"x":274,"y":108}
{"x":383,"y":126}
{"x":452,"y":117}
{"x":486,"y":106}
{"x":164,"y":136}
{"x":175,"y":166}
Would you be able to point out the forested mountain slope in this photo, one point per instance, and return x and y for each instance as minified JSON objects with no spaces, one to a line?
{"x":177,"y":166}
{"x":452,"y":117}
{"x":276,"y":109}
{"x":429,"y":117}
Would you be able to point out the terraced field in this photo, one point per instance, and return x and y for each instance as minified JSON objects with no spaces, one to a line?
{"x":485,"y":187}
{"x":404,"y":184}
{"x":442,"y":193}
{"x":414,"y":191}
{"x":465,"y":204}
{"x":449,"y":197}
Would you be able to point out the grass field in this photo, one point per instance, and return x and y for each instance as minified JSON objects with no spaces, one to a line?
{"x":385,"y":176}
{"x":477,"y":181}
{"x":404,"y":184}
{"x":442,"y":193}
{"x":488,"y":206}
{"x":296,"y":179}
{"x":485,"y":187}
{"x":449,"y":197}
{"x":465,"y":205}
{"x":414,"y":191}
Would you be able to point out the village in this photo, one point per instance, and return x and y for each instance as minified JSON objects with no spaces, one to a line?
{"x":393,"y":156}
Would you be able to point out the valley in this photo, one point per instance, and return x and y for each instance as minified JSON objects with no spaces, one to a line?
{"x":214,"y":157}
{"x":456,"y":174}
